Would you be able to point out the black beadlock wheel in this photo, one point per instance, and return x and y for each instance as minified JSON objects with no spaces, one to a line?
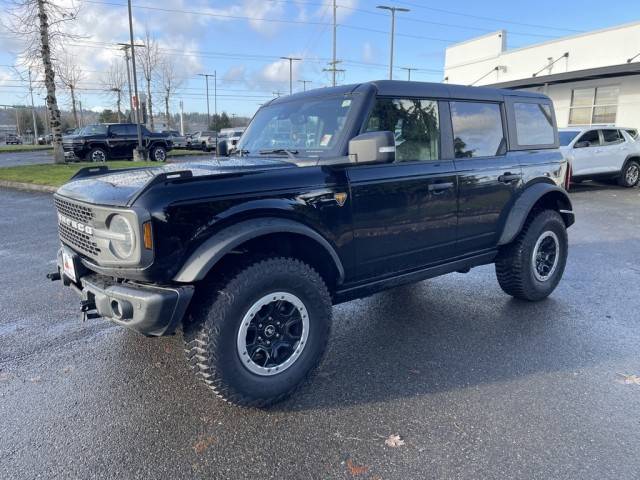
{"x":254,"y":338}
{"x":531,"y":267}
{"x":630,"y":175}
{"x":158,"y":154}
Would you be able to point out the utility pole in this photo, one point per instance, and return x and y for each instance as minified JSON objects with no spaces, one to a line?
{"x":81,"y":116}
{"x":215,"y":98}
{"x":291,"y":60}
{"x":125,"y":49}
{"x":141,"y":152}
{"x":393,"y":11}
{"x":334,"y":61}
{"x":181,"y":118}
{"x":304,"y":84}
{"x":33,"y":112}
{"x":333,"y":69}
{"x":409,"y":70}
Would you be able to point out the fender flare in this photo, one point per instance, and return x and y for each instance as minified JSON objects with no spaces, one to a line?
{"x":630,"y":157}
{"x":523,"y":205}
{"x":213,"y":249}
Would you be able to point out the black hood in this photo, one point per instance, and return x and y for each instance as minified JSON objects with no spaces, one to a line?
{"x":119,"y":187}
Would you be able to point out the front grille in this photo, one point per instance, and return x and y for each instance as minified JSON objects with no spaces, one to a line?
{"x":77,"y":212}
{"x":73,"y":237}
{"x":80,"y":240}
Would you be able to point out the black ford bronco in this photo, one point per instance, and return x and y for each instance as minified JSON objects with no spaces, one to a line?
{"x":331,"y":195}
{"x":103,"y":141}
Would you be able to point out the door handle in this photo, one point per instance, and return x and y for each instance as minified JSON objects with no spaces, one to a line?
{"x":439,"y":188}
{"x":509,"y":177}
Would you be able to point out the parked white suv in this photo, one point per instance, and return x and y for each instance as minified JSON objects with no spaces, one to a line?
{"x":602,"y":153}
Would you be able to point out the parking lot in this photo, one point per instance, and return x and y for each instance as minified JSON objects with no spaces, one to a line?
{"x":476,"y":384}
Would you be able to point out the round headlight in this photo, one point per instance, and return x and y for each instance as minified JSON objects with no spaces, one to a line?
{"x":124,"y":242}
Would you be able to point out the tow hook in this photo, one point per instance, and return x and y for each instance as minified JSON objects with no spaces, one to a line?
{"x":54,"y":277}
{"x":87,"y":307}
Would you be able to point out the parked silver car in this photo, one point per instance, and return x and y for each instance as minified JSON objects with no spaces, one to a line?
{"x":178,"y":141}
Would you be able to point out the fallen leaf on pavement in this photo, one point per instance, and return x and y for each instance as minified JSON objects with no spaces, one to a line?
{"x":37,"y":379}
{"x":67,"y":369}
{"x":628,"y":379}
{"x":394,"y":441}
{"x":356,"y":470}
{"x":4,"y":377}
{"x":201,"y":445}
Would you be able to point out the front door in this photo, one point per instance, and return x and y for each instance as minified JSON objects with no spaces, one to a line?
{"x":587,"y":153}
{"x":404,"y":213}
{"x":488,"y":177}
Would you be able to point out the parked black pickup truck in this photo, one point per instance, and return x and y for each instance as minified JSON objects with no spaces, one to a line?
{"x":331,"y":195}
{"x":102,"y":142}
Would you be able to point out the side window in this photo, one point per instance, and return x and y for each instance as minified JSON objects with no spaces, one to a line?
{"x":477,"y":129}
{"x":611,"y":136}
{"x":414,"y":123}
{"x":132,"y":130}
{"x":118,"y":130}
{"x":591,"y":137}
{"x":534,"y":124}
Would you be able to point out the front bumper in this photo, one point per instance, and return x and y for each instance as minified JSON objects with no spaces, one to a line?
{"x":152,"y":310}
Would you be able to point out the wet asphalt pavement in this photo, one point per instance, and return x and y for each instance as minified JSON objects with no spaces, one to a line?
{"x":478,"y":385}
{"x":15,"y":159}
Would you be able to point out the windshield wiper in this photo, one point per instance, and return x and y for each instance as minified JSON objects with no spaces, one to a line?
{"x":289,"y":153}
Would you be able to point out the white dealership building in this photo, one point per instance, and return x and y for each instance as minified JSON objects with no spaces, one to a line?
{"x":592,"y":78}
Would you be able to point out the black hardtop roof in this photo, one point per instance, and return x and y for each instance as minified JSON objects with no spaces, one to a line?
{"x":416,"y":89}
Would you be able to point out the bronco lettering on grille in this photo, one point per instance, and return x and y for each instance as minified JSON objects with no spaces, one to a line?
{"x":81,"y":227}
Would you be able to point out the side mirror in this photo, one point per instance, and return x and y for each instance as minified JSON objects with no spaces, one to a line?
{"x":222,"y":149}
{"x":372,"y":147}
{"x":582,"y":144}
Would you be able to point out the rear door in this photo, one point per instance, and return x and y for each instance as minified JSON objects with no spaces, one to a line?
{"x":404,"y":213}
{"x":615,"y":149}
{"x":487,"y":176}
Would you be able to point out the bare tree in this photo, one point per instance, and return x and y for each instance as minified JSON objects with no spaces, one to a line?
{"x":148,"y":59}
{"x":70,"y":75}
{"x":40,"y":25}
{"x":170,"y":79}
{"x":115,"y":81}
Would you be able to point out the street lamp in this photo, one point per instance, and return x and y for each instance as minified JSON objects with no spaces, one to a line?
{"x":393,"y":11}
{"x":291,"y":59}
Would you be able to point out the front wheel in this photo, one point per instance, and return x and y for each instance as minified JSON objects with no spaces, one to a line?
{"x":257,"y":337}
{"x":630,"y":175}
{"x":97,"y":154}
{"x":531,"y":267}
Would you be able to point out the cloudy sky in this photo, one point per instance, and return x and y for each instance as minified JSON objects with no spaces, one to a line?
{"x":243,"y":40}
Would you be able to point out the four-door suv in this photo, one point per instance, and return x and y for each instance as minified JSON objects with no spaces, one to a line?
{"x":602,"y":153}
{"x":370,"y":186}
{"x":102,"y":142}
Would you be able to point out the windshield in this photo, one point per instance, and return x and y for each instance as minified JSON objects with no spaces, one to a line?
{"x":566,"y":137}
{"x":93,"y":130}
{"x":309,"y":126}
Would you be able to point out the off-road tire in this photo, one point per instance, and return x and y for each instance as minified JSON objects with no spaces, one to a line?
{"x":630,"y":174}
{"x":212,"y":327}
{"x":514,"y":264}
{"x":97,"y":151}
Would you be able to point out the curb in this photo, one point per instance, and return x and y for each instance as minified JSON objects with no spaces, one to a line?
{"x":31,"y":187}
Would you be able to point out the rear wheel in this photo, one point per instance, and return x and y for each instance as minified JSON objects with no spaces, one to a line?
{"x":532,"y":265}
{"x":254,"y":339}
{"x":158,"y":154}
{"x":630,"y":175}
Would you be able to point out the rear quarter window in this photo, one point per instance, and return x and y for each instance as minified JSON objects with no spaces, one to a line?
{"x":534,"y":124}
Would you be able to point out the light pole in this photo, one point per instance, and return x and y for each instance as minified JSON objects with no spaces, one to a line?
{"x":304,"y":84}
{"x":291,"y":60}
{"x":141,"y":152}
{"x":393,"y":11}
{"x":409,"y":70}
{"x":125,"y":48}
